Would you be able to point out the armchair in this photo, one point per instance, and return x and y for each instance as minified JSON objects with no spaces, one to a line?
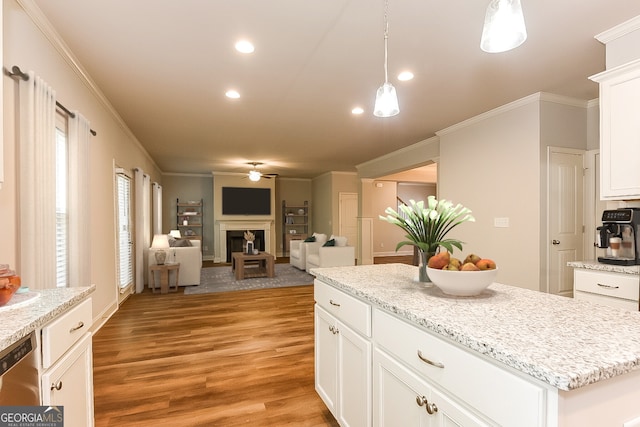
{"x":298,"y":250}
{"x":330,"y":256}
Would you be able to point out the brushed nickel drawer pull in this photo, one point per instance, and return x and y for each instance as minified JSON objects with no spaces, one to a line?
{"x":75,"y":328}
{"x":425,"y":360}
{"x":608,"y":286}
{"x":334,"y":303}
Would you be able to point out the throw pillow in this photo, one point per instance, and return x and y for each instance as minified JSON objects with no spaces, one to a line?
{"x":310,"y":239}
{"x":321,"y":238}
{"x":180,"y":243}
{"x":331,"y":242}
{"x":340,"y":240}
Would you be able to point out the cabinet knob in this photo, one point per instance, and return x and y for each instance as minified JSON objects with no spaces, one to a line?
{"x":430,"y":407}
{"x":555,"y":242}
{"x":57,"y":386}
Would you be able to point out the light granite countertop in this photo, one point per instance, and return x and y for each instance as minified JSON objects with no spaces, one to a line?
{"x":564,"y":342}
{"x":608,"y":268}
{"x":27,"y":312}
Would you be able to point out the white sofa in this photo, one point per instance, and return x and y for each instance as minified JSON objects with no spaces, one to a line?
{"x":330,"y":256}
{"x":190,"y":259}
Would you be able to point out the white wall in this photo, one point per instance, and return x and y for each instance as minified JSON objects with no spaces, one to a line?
{"x":492,"y":166}
{"x":32,"y":48}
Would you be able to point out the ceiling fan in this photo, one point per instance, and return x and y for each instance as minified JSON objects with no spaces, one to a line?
{"x":255,"y":174}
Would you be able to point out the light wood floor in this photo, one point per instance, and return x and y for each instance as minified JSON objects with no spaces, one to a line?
{"x":225,"y":359}
{"x":229,"y":359}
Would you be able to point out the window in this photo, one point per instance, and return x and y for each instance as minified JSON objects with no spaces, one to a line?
{"x":125,"y":238}
{"x":62,"y":201}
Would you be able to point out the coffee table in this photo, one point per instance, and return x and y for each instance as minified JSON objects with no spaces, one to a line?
{"x":248,"y":265}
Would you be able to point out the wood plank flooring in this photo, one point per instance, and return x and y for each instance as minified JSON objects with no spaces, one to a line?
{"x":225,"y":359}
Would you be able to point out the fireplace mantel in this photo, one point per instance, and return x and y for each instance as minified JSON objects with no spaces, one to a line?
{"x":242,"y":225}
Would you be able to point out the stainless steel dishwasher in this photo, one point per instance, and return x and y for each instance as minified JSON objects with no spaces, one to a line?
{"x":19,"y":385}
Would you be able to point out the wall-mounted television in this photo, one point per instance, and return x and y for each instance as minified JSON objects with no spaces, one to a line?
{"x":246,"y":201}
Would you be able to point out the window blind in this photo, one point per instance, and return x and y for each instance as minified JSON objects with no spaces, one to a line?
{"x":125,"y":243}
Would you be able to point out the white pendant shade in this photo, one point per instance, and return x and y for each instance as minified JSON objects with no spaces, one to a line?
{"x":386,"y":101}
{"x":504,"y":27}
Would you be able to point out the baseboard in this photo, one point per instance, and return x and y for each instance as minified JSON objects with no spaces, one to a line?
{"x":393,"y":253}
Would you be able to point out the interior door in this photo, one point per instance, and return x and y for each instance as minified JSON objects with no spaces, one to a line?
{"x":565,"y":191}
{"x":349,"y":218}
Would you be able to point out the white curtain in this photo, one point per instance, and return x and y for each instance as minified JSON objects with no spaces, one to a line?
{"x":79,"y":201}
{"x":157,"y":209}
{"x":37,"y":183}
{"x":142,"y":224}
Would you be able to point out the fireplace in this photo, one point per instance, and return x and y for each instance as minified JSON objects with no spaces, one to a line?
{"x":261,"y":229}
{"x":236,"y":242}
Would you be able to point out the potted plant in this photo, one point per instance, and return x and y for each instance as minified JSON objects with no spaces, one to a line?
{"x":427,"y":227}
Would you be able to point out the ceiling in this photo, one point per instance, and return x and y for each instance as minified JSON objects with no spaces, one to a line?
{"x":165,"y":66}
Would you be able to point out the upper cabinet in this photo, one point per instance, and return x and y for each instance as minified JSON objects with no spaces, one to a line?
{"x":620,"y":132}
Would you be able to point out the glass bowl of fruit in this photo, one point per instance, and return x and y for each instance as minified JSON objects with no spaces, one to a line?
{"x":461,"y":278}
{"x":9,"y":284}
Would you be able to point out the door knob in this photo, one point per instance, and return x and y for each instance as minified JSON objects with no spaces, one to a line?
{"x":555,"y":242}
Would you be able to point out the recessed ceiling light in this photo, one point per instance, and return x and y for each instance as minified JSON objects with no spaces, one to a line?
{"x":405,"y":75}
{"x":245,"y":46}
{"x":357,"y":110}
{"x":233,"y":94}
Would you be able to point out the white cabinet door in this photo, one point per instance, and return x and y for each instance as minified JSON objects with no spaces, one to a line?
{"x":404,"y":399}
{"x":69,"y":383}
{"x":342,"y":370}
{"x":354,"y":378}
{"x":620,"y":132}
{"x":326,"y":358}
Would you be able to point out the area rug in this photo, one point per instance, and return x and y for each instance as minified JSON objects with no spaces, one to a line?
{"x":222,"y":279}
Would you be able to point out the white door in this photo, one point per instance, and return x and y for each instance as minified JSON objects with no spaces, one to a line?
{"x":593,"y":205}
{"x":565,"y":192}
{"x":349,"y":218}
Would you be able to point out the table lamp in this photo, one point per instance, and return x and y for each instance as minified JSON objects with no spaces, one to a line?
{"x":160,"y":243}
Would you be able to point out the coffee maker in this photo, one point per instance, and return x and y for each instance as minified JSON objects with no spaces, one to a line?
{"x":620,"y":236}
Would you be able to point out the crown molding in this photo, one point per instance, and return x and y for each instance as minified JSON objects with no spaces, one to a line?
{"x":618,"y":31}
{"x":536,"y":97}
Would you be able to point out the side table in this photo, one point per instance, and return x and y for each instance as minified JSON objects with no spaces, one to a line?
{"x":164,"y":269}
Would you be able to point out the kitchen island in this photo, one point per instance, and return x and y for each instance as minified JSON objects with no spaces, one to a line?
{"x":562,"y":362}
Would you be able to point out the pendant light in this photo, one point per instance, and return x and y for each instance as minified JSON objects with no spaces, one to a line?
{"x":504,"y":27}
{"x":386,"y":99}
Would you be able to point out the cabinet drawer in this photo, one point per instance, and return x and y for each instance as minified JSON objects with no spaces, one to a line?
{"x":59,"y":335}
{"x":617,"y":285}
{"x":350,"y":310}
{"x":502,"y":396}
{"x":605,"y":300}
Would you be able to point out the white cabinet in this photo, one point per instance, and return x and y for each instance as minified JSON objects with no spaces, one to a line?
{"x":456,"y":377}
{"x":342,"y":356}
{"x":67,"y":365}
{"x":402,"y":398}
{"x":69,"y":383}
{"x":612,"y":289}
{"x":620,"y":132}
